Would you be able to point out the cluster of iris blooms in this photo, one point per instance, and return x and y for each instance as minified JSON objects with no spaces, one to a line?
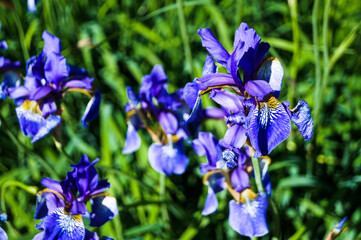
{"x":61,"y":205}
{"x":257,"y":123}
{"x":248,"y":98}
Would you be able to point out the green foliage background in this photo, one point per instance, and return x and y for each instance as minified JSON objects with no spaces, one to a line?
{"x":315,"y":184}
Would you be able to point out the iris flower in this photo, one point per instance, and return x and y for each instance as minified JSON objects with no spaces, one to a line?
{"x":163,"y":115}
{"x":166,"y":155}
{"x":48,"y":79}
{"x":62,"y":205}
{"x":253,"y":109}
{"x":247,"y":212}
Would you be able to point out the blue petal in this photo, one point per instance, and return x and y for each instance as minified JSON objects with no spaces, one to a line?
{"x":63,"y":226}
{"x":55,"y":69}
{"x":104,"y":208}
{"x":168,"y":159}
{"x":132,"y":141}
{"x":132,"y":97}
{"x":269,"y":126}
{"x":216,"y":182}
{"x":258,"y":88}
{"x":92,"y":109}
{"x":214,"y":80}
{"x":213,"y":46}
{"x":153,"y":84}
{"x":41,"y":210}
{"x":337,"y":229}
{"x":234,"y":137}
{"x":240,"y":179}
{"x":233,"y":63}
{"x":32,"y":6}
{"x":3,"y":45}
{"x":168,"y":122}
{"x":249,"y":218}
{"x":209,"y":66}
{"x":206,"y":144}
{"x":34,"y":125}
{"x":3,"y":235}
{"x":214,"y":113}
{"x":266,"y":180}
{"x":211,"y":204}
{"x":83,"y":82}
{"x":191,"y":94}
{"x":301,"y":116}
{"x":39,"y":236}
{"x":272,"y":72}
{"x":76,"y":71}
{"x":3,"y":217}
{"x":52,"y":43}
{"x":10,"y":80}
{"x":48,"y":106}
{"x":40,"y":92}
{"x":229,"y":101}
{"x":6,"y":64}
{"x":247,"y":35}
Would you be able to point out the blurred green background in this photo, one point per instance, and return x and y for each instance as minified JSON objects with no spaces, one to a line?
{"x":315,"y":183}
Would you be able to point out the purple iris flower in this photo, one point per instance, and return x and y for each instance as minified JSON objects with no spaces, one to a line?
{"x":257,"y":113}
{"x":48,"y":79}
{"x":3,"y":218}
{"x":247,"y":213}
{"x":62,"y":205}
{"x":163,"y":116}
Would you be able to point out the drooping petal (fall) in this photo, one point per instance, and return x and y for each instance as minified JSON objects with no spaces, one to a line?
{"x":249,"y":218}
{"x":269,"y":126}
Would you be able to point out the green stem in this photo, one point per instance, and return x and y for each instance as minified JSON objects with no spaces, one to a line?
{"x":162,"y":199}
{"x":276,"y":220}
{"x":257,"y":174}
{"x":317,"y":60}
{"x":296,"y":48}
{"x":183,"y":29}
{"x":61,"y":149}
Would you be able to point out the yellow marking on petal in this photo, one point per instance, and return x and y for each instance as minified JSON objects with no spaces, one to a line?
{"x":129,"y":114}
{"x":55,"y":192}
{"x":266,"y":158}
{"x":100,"y":195}
{"x":77,"y":217}
{"x":246,"y":195}
{"x":220,"y":87}
{"x":273,"y":102}
{"x":80,"y":90}
{"x":29,"y":105}
{"x":210,"y":173}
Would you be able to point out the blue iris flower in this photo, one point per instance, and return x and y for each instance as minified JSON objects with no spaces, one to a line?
{"x":164,"y":116}
{"x":257,"y":113}
{"x":154,"y":102}
{"x":48,"y":79}
{"x":62,"y":205}
{"x":247,"y":214}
